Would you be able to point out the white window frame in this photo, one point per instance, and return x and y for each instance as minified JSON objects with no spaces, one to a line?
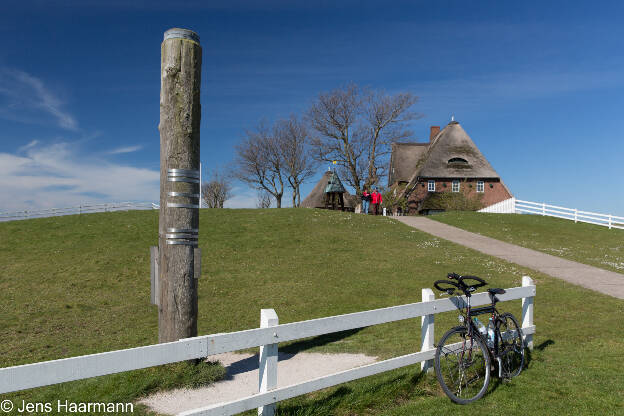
{"x":480,"y":186}
{"x":455,"y":186}
{"x":431,"y":186}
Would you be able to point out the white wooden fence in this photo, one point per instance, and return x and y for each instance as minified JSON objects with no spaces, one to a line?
{"x":518,"y":206}
{"x":573,"y":214}
{"x":81,"y":209}
{"x":508,"y":206}
{"x":266,"y":337}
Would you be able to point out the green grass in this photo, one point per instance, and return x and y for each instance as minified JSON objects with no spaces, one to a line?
{"x":586,"y":243}
{"x":80,"y":284}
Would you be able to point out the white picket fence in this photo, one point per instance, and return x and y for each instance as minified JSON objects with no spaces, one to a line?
{"x":518,"y":206}
{"x":81,"y":209}
{"x":267,"y":338}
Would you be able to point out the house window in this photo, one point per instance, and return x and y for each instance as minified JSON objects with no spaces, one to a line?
{"x":455,"y":186}
{"x":458,"y":160}
{"x":480,"y":186}
{"x":431,"y":186}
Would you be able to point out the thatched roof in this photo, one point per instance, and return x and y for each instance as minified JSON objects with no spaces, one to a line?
{"x":453,"y":154}
{"x":316,"y":197}
{"x":404,"y":159}
{"x":450,"y":154}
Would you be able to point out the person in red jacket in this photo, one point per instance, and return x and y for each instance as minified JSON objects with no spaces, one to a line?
{"x":376,"y":202}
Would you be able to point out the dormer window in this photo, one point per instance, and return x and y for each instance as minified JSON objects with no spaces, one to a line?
{"x":458,"y":163}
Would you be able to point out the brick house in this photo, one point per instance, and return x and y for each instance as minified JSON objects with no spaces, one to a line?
{"x":450,"y":162}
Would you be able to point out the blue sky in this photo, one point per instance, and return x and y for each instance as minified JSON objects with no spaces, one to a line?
{"x":539,"y":86}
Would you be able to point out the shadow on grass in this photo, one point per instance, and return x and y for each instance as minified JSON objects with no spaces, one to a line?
{"x":363,"y":395}
{"x":527,"y":359}
{"x":541,"y":347}
{"x":318,"y":341}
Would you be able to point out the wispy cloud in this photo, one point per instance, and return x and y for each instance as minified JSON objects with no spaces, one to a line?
{"x":127,"y":149}
{"x":51,"y":176}
{"x":25,"y":98}
{"x":494,"y":89}
{"x":243,"y":197}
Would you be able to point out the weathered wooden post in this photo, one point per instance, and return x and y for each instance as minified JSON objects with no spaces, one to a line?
{"x":178,"y":224}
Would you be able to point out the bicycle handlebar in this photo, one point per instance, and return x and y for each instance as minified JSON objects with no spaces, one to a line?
{"x":448,"y":290}
{"x":460,"y":284}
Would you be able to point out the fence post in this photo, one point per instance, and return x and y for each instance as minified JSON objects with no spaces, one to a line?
{"x":426,"y":331}
{"x":610,"y":221}
{"x":268,"y":362}
{"x":575,"y":215}
{"x":527,"y":312}
{"x":543,"y":208}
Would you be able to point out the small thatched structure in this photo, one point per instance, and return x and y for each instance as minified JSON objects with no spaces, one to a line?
{"x":328,"y":193}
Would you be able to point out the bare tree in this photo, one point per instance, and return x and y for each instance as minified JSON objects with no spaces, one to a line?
{"x":258,"y":162}
{"x":334,"y":117}
{"x":386,"y":117}
{"x":264,"y":200}
{"x":356,"y":127}
{"x":298,"y":163}
{"x":217,"y":190}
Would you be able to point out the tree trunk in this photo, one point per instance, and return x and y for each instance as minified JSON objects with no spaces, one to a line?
{"x":179,"y":149}
{"x":298,"y":196}
{"x":278,"y":200}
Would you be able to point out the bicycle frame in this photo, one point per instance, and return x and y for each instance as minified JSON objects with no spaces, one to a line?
{"x":472,"y":328}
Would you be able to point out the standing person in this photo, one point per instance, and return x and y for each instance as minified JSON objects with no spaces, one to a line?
{"x":377,"y":200}
{"x":366,"y":199}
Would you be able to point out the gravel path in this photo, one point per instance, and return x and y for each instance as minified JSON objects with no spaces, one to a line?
{"x":600,"y":280}
{"x":242,"y":378}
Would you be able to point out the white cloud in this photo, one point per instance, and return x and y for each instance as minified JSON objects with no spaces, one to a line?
{"x":242,"y":198}
{"x":127,"y":149}
{"x":25,"y":98}
{"x":56,"y":176}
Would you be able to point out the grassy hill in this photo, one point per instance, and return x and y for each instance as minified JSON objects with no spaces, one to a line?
{"x":80,"y":284}
{"x":586,"y":243}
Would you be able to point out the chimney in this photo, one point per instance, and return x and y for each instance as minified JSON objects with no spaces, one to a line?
{"x":434,"y":132}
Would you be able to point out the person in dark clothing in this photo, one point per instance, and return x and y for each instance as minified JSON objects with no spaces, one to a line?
{"x":366,"y":199}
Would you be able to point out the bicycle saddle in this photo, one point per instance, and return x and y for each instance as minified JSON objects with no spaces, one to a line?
{"x":496,"y":291}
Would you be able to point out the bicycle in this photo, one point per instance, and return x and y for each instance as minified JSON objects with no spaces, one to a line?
{"x":464,"y":356}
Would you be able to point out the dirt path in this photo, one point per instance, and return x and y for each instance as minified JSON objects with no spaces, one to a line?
{"x":242,"y":378}
{"x":603,"y":281}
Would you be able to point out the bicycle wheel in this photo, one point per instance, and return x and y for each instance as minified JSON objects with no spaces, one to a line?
{"x":462,"y":365}
{"x":511,"y":345}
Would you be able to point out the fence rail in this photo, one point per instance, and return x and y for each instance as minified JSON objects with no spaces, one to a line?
{"x":81,"y":209}
{"x":267,"y":337}
{"x":607,"y":220}
{"x":514,"y":206}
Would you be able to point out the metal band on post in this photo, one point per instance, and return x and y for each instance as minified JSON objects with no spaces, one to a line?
{"x":185,"y":194}
{"x":182,"y":236}
{"x":177,"y":33}
{"x":183,"y":175}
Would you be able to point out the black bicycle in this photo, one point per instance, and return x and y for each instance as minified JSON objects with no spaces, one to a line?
{"x":465,"y":355}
